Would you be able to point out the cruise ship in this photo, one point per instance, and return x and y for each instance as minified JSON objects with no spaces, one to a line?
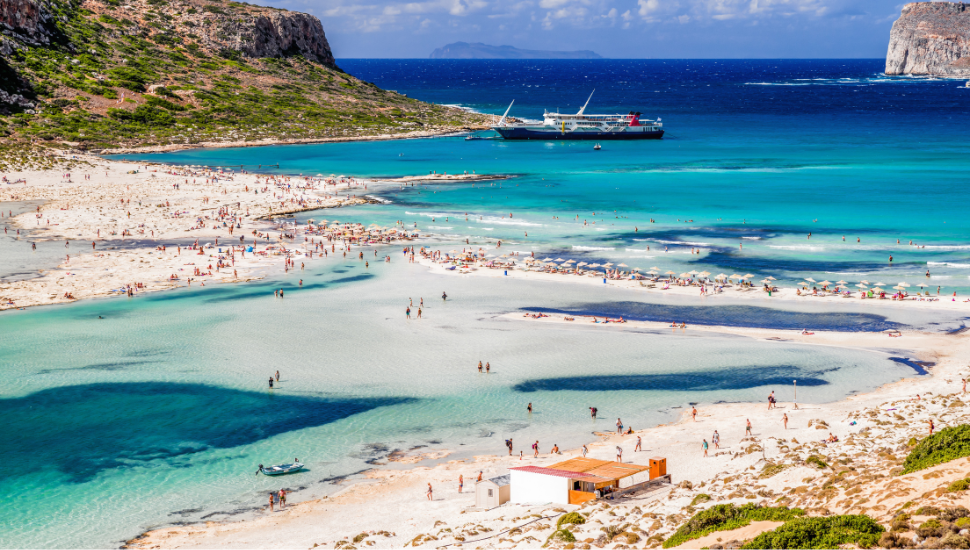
{"x":556,"y":126}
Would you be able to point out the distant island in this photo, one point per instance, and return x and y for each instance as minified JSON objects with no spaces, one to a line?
{"x":477,"y":50}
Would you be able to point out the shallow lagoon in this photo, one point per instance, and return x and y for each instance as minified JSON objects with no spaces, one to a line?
{"x":160,"y":412}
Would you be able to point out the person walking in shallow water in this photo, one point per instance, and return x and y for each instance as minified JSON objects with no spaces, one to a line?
{"x":271,"y":497}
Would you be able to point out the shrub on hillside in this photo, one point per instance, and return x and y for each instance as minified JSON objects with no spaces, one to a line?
{"x":948,"y":444}
{"x":821,"y":532}
{"x":724,"y":517}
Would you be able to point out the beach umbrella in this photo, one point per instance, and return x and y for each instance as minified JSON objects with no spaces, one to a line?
{"x":559,"y":260}
{"x":694,"y":272}
{"x":880,"y":284}
{"x":734,"y":276}
{"x":860,"y":285}
{"x":655,"y":268}
{"x":670,"y":273}
{"x":876,"y":289}
{"x":898,"y":287}
{"x":684,"y":275}
{"x":864,"y":282}
{"x":825,"y":283}
{"x":841,"y":282}
{"x":569,"y":262}
{"x":548,"y":260}
{"x":653,"y":271}
{"x":607,"y":264}
{"x":593,"y":265}
{"x":748,"y":276}
{"x":903,"y":284}
{"x":581,"y":264}
{"x":811,"y":280}
{"x":704,"y":273}
{"x":622,"y":265}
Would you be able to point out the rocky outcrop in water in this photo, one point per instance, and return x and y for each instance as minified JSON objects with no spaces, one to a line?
{"x":931,"y":38}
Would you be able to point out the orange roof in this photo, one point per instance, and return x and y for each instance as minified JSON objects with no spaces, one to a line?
{"x":600,"y":468}
{"x":580,"y":464}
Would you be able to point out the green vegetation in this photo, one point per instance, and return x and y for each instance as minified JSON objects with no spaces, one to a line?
{"x":700,"y":499}
{"x":724,"y":517}
{"x":824,"y":532}
{"x":946,"y":445}
{"x":816,"y":461}
{"x":959,"y":485}
{"x":177,"y":91}
{"x":560,"y":535}
{"x":570,"y":518}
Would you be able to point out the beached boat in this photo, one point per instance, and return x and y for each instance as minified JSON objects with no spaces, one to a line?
{"x":281,"y":469}
{"x":556,"y":126}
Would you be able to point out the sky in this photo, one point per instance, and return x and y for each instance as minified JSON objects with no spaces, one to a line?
{"x":623,"y":29}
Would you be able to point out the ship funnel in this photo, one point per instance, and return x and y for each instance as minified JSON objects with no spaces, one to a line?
{"x":502,"y":120}
{"x":587,"y":102}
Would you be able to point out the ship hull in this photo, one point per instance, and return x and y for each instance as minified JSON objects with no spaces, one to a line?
{"x":546,"y":135}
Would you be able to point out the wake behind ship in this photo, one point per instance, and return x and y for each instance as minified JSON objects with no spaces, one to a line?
{"x":556,"y":126}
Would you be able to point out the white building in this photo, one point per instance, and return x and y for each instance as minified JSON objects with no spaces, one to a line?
{"x":534,"y":484}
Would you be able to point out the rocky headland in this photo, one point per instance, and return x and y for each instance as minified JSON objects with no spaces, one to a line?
{"x":930,"y":38}
{"x":105,"y":74}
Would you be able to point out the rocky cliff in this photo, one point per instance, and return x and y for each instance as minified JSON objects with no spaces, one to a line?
{"x":931,"y":38}
{"x":100,"y":74}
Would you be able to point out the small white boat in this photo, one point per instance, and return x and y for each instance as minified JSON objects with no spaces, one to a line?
{"x":281,"y":469}
{"x":597,"y":147}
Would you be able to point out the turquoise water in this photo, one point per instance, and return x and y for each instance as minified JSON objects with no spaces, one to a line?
{"x":159,"y":412}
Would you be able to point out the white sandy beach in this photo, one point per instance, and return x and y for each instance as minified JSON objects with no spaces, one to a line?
{"x":766,"y":468}
{"x":128,"y":210}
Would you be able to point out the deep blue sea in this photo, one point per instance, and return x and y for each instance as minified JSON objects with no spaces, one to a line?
{"x":158,"y":412}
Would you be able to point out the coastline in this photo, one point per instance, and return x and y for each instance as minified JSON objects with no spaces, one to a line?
{"x":163,"y":207}
{"x":417,"y":134}
{"x":388,"y":509}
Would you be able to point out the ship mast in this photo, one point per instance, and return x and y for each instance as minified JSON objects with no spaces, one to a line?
{"x":587,"y":102}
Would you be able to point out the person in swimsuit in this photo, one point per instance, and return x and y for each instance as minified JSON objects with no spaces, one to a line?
{"x":430,"y":491}
{"x":271,"y":498}
{"x":270,"y":382}
{"x":277,"y":376}
{"x":461,"y":482}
